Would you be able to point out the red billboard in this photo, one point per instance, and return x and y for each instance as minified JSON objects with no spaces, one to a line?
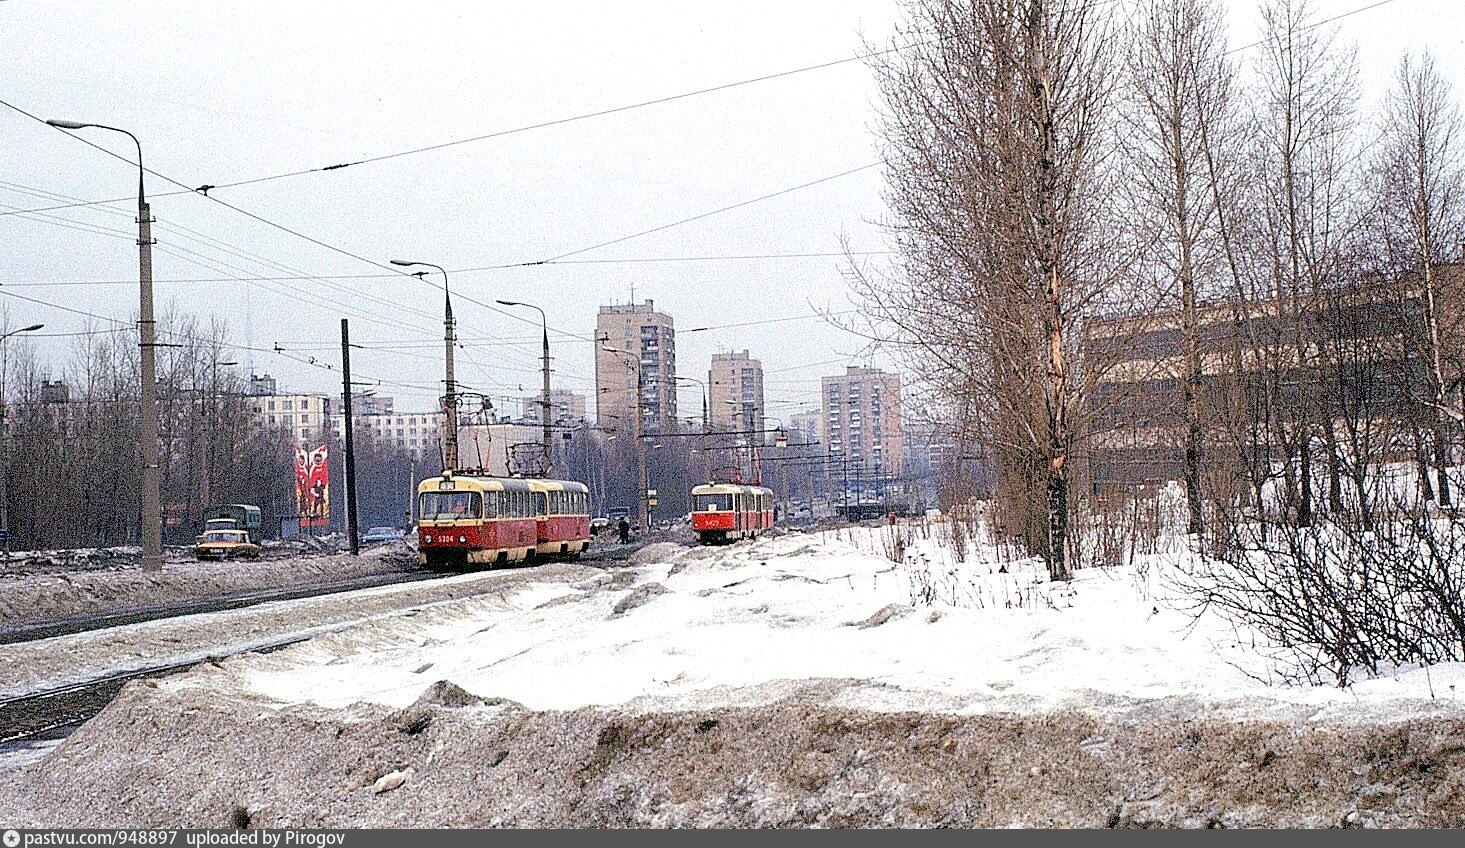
{"x":313,"y":486}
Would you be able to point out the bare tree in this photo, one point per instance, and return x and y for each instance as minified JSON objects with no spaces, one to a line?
{"x":1180,"y":125}
{"x":996,"y":129}
{"x":1420,"y":187}
{"x":1306,"y":122}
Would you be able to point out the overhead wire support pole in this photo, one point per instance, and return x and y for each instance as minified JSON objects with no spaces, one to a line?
{"x":151,"y":505}
{"x":350,"y":464}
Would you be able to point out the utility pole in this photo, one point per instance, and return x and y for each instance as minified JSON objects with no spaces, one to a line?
{"x":350,"y":445}
{"x":546,"y":406}
{"x":643,"y":496}
{"x":450,"y":399}
{"x":152,"y":505}
{"x":5,"y":440}
{"x":450,"y":395}
{"x":411,"y":493}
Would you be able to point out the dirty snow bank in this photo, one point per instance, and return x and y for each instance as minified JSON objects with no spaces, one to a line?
{"x":37,"y":598}
{"x":167,"y":756}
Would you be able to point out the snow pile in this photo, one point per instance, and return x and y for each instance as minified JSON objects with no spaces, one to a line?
{"x":165,"y":756}
{"x":745,"y":624}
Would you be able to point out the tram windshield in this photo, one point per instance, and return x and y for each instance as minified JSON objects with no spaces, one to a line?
{"x":444,"y":506}
{"x":712,"y":503}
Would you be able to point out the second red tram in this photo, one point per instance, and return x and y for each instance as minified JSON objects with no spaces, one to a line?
{"x":726,"y":512}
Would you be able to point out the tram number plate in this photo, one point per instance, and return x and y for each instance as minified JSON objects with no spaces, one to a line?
{"x":447,"y":484}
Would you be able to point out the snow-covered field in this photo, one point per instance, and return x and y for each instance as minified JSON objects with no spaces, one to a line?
{"x":803,"y":680}
{"x":751,"y":623}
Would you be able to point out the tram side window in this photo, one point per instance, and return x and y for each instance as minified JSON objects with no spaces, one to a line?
{"x":442,"y":506}
{"x":710,"y":503}
{"x":494,"y":505}
{"x":545,"y":503}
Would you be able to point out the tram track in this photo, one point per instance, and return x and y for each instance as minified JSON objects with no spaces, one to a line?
{"x":193,"y":606}
{"x":54,"y":713}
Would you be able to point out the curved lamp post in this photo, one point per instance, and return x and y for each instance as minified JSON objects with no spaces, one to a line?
{"x":642,"y":496}
{"x":450,"y":395}
{"x":545,"y":405}
{"x":5,"y":440}
{"x":151,"y":506}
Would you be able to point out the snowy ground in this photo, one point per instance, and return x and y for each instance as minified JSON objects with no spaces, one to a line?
{"x":49,"y":664}
{"x":804,"y":680}
{"x":749,"y":624}
{"x":37,"y":597}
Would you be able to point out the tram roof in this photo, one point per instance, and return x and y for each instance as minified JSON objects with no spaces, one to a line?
{"x":542,"y":485}
{"x":729,"y":489}
{"x":474,"y":483}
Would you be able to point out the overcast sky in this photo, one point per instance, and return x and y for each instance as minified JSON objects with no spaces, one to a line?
{"x":221,"y":92}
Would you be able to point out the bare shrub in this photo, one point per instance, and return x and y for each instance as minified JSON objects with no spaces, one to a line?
{"x":1342,"y":600}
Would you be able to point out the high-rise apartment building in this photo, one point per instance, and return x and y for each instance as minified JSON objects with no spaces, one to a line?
{"x":647,"y":337}
{"x":735,"y":393}
{"x":861,"y":428}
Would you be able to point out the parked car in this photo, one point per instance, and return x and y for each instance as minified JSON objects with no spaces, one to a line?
{"x":225,"y":544}
{"x":382,"y":534}
{"x":599,"y":525}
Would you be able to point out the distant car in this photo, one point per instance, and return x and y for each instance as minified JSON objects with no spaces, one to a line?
{"x":225,"y":544}
{"x":598,"y":524}
{"x":382,"y":534}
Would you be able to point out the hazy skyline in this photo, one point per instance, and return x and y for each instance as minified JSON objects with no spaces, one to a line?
{"x":234,"y":91}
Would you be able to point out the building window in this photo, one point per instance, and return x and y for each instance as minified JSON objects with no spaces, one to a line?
{"x":289,"y":404}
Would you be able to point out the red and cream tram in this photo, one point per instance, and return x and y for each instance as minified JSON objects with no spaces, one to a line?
{"x":466,"y":519}
{"x":726,"y":512}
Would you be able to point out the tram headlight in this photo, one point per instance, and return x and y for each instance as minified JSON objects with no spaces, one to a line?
{"x":462,"y":540}
{"x":427,"y":539}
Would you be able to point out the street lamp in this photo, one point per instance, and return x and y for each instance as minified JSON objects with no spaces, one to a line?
{"x":545,"y":405}
{"x":706,"y":460}
{"x":450,"y":398}
{"x":151,"y":506}
{"x":642,"y":495}
{"x":5,"y":440}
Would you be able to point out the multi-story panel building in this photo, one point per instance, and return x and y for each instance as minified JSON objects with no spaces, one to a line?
{"x":861,"y":430}
{"x":735,"y":390}
{"x":650,"y":339}
{"x":304,"y":415}
{"x":418,"y":432}
{"x":567,"y":407}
